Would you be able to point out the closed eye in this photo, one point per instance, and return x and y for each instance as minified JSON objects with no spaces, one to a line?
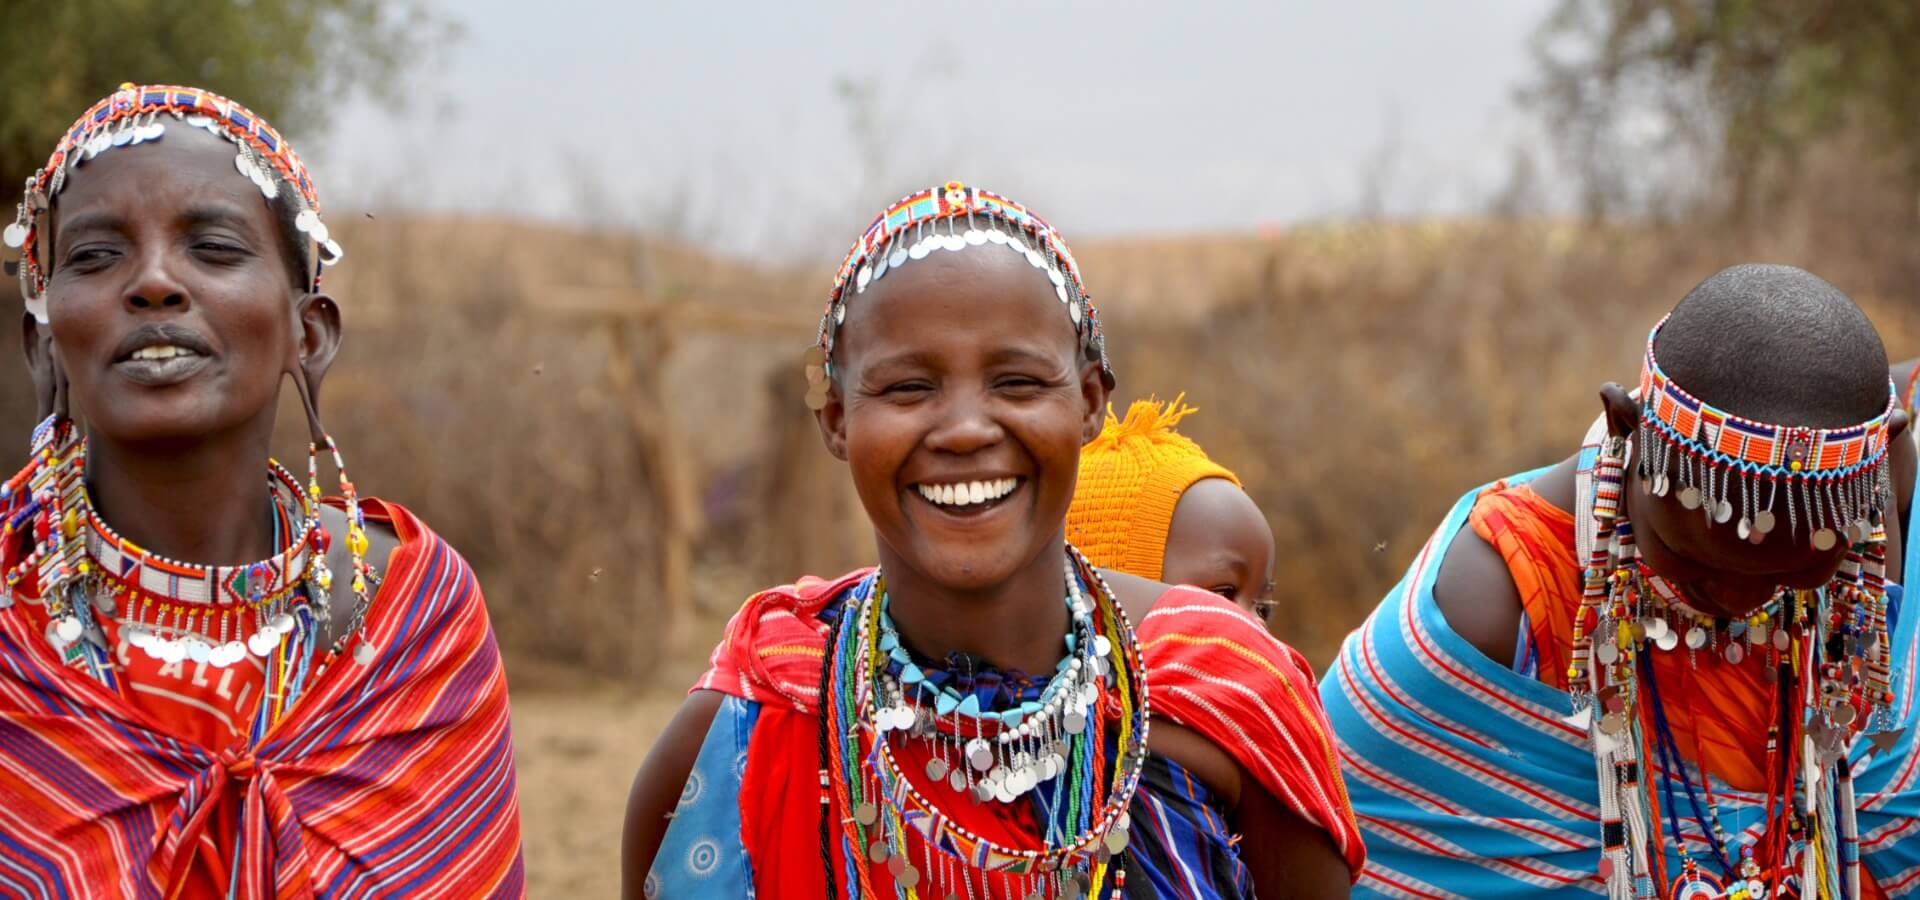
{"x":89,"y":257}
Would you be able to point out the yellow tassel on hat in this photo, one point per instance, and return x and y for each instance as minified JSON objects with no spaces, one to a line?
{"x":1131,"y":479}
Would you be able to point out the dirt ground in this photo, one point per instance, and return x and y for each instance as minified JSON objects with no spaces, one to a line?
{"x":577,"y":746}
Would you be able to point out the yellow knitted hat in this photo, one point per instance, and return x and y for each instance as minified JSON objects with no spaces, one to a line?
{"x":1131,"y":478}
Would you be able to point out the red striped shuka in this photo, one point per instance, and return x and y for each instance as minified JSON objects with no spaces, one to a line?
{"x":391,"y":779}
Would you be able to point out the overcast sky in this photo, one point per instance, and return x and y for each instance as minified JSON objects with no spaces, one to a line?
{"x":728,"y":122}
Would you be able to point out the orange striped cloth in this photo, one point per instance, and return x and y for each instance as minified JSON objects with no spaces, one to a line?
{"x":1722,"y":724}
{"x":390,"y":779}
{"x":1211,"y":667}
{"x":1724,"y":708}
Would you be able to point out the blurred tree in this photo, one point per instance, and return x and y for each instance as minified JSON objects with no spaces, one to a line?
{"x":292,"y":61}
{"x":1733,"y":84}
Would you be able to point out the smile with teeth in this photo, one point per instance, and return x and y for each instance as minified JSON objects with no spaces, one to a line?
{"x":967,"y":493}
{"x":161,"y":352}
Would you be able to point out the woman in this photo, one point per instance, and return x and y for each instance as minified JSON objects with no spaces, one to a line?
{"x":176,"y":720}
{"x":977,"y":716}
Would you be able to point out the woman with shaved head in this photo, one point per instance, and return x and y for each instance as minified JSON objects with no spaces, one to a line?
{"x":1675,"y":664}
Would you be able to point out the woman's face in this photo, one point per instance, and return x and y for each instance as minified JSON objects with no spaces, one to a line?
{"x":169,"y":296}
{"x":961,"y":405}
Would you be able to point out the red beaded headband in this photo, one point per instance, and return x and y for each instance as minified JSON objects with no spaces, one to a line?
{"x":131,"y":116}
{"x":1836,"y":476}
{"x":972,"y":217}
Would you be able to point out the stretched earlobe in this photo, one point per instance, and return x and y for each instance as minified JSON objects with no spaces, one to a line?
{"x":1623,"y":414}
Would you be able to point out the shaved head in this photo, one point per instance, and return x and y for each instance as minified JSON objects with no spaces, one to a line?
{"x":1778,"y":345}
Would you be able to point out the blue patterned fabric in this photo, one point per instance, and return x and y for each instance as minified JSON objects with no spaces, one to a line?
{"x":702,"y":854}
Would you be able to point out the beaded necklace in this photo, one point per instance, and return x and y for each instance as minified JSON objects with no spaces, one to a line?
{"x":1076,"y":751}
{"x":274,"y":609}
{"x":1826,"y":654}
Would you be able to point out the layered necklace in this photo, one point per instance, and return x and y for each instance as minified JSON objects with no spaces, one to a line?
{"x":274,"y":610}
{"x":1072,"y":745}
{"x":1826,"y":652}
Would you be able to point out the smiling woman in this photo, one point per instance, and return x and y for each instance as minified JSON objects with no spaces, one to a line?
{"x":983,"y":716}
{"x":212,"y":722}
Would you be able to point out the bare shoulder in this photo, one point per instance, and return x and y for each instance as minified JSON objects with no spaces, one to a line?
{"x":1136,"y":595}
{"x":1478,"y":597}
{"x":657,"y":786}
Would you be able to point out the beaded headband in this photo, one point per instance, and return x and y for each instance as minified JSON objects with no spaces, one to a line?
{"x":1836,"y":477}
{"x":131,"y":116}
{"x":972,"y":217}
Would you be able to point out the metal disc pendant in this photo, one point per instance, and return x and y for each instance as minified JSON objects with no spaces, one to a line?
{"x":1075,"y":722}
{"x":908,"y":876}
{"x":1690,"y":497}
{"x":1824,"y":539}
{"x":1661,"y":485}
{"x":1608,"y":654}
{"x":975,"y":237}
{"x":1735,"y":652}
{"x":1696,"y":638}
{"x":980,"y":757}
{"x":920,"y":249}
{"x":1744,"y":529}
{"x":1757,"y":633}
{"x":936,"y":769}
{"x":897,"y":258}
{"x":866,"y":814}
{"x":1781,"y":640}
{"x":1723,"y":512}
{"x":1116,"y":840}
{"x":1763,"y":522}
{"x":877,"y":851}
{"x":16,"y":235}
{"x":1667,"y":640}
{"x":957,"y":780}
{"x":1655,"y":627}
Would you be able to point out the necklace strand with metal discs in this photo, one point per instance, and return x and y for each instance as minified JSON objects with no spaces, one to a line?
{"x":1050,"y":750}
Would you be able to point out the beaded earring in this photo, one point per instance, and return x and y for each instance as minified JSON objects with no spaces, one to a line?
{"x":361,"y":574}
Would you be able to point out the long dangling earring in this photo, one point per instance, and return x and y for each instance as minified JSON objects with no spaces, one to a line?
{"x":360,"y":573}
{"x":56,"y":485}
